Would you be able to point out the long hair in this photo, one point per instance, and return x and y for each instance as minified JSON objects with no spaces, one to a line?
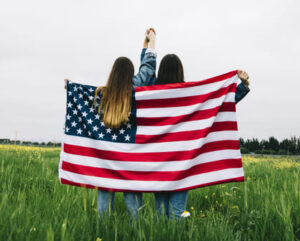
{"x":115,"y":103}
{"x":170,"y":70}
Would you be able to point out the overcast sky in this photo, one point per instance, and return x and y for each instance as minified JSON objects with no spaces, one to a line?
{"x":43,"y":42}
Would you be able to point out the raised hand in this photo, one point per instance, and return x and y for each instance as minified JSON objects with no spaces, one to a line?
{"x":67,"y":80}
{"x":150,"y":33}
{"x":244,"y":77}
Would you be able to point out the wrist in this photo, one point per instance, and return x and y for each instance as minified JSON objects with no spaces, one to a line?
{"x":245,"y":83}
{"x":151,"y":44}
{"x":145,"y":44}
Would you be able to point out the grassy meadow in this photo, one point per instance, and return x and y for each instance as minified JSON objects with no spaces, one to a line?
{"x":35,"y":206}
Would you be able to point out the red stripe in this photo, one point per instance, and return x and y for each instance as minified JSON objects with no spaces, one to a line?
{"x":236,"y":179}
{"x":152,"y":176}
{"x":68,"y":182}
{"x":187,"y":84}
{"x":197,"y":115}
{"x":187,"y":135}
{"x":184,"y":101}
{"x":151,"y":156}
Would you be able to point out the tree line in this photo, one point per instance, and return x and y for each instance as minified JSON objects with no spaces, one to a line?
{"x":30,"y":143}
{"x":272,"y":146}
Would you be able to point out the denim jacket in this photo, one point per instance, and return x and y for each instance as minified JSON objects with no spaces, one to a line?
{"x":146,"y":75}
{"x":241,"y":92}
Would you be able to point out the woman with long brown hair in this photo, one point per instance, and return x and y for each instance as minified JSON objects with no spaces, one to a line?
{"x":115,"y":107}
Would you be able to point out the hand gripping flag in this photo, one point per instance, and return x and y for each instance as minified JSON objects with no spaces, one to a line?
{"x":179,"y":137}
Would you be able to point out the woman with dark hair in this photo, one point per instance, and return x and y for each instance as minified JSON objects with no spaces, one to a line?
{"x":171,"y":71}
{"x":115,"y":106}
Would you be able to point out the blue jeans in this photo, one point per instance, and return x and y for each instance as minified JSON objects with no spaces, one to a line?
{"x":133,"y":202}
{"x":171,"y":203}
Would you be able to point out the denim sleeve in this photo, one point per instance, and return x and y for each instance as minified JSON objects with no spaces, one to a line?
{"x":146,"y":74}
{"x":241,"y":92}
{"x":143,"y":54}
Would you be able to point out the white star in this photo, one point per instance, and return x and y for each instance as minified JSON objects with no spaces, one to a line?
{"x":97,"y":117}
{"x":74,"y":99}
{"x":84,"y":126}
{"x":102,"y":123}
{"x":95,"y":128}
{"x":75,"y":112}
{"x":91,"y":109}
{"x":90,"y":90}
{"x":80,"y":96}
{"x":73,"y":124}
{"x":122,"y":131}
{"x":90,"y":121}
{"x":68,"y":117}
{"x":89,"y":133}
{"x":108,"y":130}
{"x":69,"y":93}
{"x":79,"y":131}
{"x":91,"y":97}
{"x":80,"y":87}
{"x":84,"y":114}
{"x":80,"y":119}
{"x":75,"y":88}
{"x":86,"y":102}
{"x":129,"y":125}
{"x":101,"y":135}
{"x":127,"y":138}
{"x":67,"y":129}
{"x":79,"y":106}
{"x":114,"y":137}
{"x":69,"y":105}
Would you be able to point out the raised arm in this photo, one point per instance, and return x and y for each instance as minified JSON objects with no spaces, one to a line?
{"x":146,"y":74}
{"x":243,"y":88}
{"x":146,"y":42}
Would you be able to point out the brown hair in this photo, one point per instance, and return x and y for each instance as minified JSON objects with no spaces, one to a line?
{"x":170,"y":70}
{"x":116,"y":95}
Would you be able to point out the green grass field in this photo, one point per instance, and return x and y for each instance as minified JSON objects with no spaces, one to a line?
{"x":35,"y":206}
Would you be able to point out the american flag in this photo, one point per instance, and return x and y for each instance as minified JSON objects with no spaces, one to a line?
{"x":179,"y":137}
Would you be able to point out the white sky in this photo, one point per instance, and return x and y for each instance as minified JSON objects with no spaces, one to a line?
{"x":43,"y":42}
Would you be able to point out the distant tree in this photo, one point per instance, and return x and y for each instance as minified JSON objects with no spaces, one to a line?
{"x":298,"y":147}
{"x":244,"y":150}
{"x":242,"y":142}
{"x":252,"y":144}
{"x":284,"y":145}
{"x":282,"y":152}
{"x":293,"y":145}
{"x":272,"y":144}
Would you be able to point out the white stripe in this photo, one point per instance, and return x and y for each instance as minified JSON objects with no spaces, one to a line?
{"x":150,"y":166}
{"x":150,"y":147}
{"x":186,"y":126}
{"x":184,"y":92}
{"x":153,"y":185}
{"x":185,"y":110}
